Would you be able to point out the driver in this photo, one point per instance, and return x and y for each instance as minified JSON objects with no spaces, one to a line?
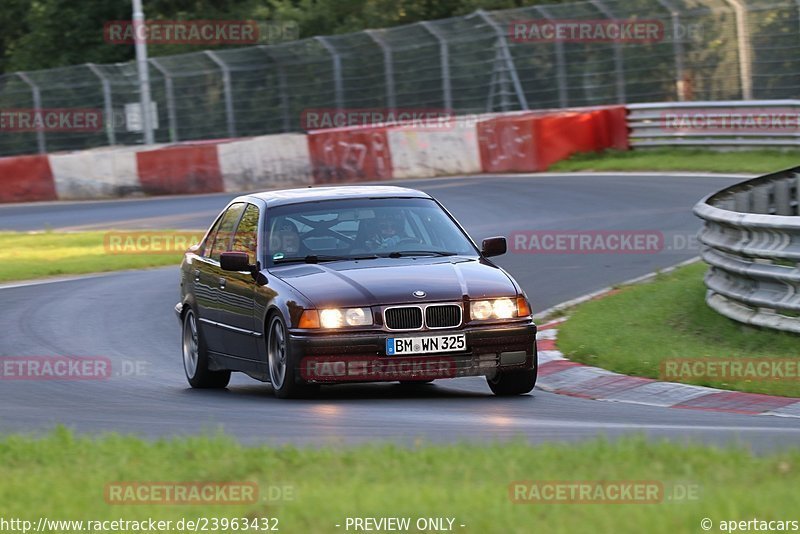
{"x":387,"y":233}
{"x":285,"y":240}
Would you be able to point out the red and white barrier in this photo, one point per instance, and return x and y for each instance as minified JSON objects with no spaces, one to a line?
{"x":517,"y":142}
{"x":266,"y":161}
{"x":108,"y":172}
{"x":350,"y":155}
{"x":26,"y":178}
{"x":428,"y":153}
{"x":533,"y":142}
{"x":180,"y":169}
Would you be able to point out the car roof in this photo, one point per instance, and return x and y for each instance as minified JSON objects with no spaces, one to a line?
{"x":312,"y":194}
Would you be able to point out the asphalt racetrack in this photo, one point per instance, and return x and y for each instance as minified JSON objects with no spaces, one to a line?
{"x":128,"y":317}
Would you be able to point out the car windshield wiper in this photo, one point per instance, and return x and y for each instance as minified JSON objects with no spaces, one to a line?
{"x":401,"y":253}
{"x":317,"y":258}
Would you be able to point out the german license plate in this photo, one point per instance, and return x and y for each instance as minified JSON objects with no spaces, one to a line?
{"x":426,"y":344}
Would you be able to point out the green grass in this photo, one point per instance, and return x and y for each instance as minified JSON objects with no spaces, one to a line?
{"x":678,"y":159}
{"x":632,"y":331}
{"x":25,"y":256}
{"x":63,"y":477}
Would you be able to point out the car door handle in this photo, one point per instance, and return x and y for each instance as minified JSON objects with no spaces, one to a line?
{"x":222,"y":282}
{"x":197,"y":275}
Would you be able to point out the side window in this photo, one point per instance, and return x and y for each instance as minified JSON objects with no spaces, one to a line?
{"x":223,"y":238}
{"x":246,"y":237}
{"x":205,"y":250}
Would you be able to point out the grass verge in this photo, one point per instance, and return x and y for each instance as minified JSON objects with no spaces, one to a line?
{"x":678,"y":159}
{"x":635,"y":329}
{"x":64,"y":477}
{"x":25,"y":256}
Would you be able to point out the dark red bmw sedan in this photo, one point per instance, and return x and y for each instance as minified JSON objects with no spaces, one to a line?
{"x":305,"y":287}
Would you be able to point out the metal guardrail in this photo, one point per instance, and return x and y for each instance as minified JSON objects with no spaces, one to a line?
{"x":688,"y":123}
{"x":751,"y":241}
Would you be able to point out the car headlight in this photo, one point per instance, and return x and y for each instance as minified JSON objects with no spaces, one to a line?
{"x":337,"y":318}
{"x":481,"y":309}
{"x":505,"y":308}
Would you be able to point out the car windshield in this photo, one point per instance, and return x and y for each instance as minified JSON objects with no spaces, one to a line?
{"x":362,"y":229}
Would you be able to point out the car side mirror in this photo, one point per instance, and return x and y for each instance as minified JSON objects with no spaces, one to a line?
{"x":235,"y":261}
{"x":494,"y":246}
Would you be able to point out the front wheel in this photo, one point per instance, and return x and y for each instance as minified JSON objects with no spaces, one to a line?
{"x":506,"y":384}
{"x":195,"y":358}
{"x":281,"y":363}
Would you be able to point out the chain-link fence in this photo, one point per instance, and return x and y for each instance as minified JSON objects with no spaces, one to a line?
{"x":707,"y":50}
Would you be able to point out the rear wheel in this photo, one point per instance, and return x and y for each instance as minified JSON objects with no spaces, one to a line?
{"x":195,"y":358}
{"x":509,"y":383}
{"x":281,"y":363}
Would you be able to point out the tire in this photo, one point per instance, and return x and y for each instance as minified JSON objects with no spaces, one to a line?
{"x":513,"y":383}
{"x":282,"y":364}
{"x":195,"y":357}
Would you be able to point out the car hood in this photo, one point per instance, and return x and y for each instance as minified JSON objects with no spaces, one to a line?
{"x":393,"y":281}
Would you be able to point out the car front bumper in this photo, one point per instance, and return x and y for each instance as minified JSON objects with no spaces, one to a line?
{"x":361,"y":357}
